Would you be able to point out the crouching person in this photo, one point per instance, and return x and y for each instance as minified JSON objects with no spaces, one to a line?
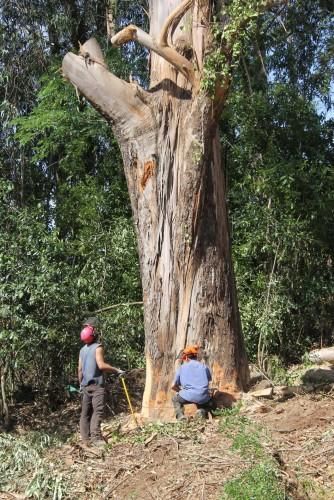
{"x":192,"y":385}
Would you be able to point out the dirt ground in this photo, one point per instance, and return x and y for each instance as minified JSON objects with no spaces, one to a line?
{"x":303,"y":433}
{"x":196,"y":460}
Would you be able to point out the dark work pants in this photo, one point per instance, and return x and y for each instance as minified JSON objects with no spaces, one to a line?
{"x":179,"y":402}
{"x":92,"y":409}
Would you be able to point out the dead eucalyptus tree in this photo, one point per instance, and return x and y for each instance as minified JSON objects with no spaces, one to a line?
{"x":172,"y":159}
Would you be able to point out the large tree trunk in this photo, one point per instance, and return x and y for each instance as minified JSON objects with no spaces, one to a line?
{"x":172,"y":159}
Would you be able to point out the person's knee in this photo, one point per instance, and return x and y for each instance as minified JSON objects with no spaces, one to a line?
{"x":86,"y":410}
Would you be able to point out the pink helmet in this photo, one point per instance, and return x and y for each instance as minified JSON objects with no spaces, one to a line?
{"x":87,"y":335}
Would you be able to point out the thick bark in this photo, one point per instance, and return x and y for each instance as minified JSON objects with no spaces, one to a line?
{"x":187,"y":276}
{"x":172,"y":160}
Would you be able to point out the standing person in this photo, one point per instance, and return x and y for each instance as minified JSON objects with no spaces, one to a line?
{"x":91,"y":369}
{"x":192,"y":385}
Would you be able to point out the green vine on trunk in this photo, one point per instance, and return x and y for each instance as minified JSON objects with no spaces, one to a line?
{"x":230,"y":30}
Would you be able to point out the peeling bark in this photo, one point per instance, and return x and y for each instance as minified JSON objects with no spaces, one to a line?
{"x":172,"y":160}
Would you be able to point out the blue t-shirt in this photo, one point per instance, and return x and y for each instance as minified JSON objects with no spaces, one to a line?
{"x":194,"y":378}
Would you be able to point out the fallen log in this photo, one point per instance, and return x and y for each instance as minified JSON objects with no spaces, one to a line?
{"x":281,"y":393}
{"x":263,"y":393}
{"x":322,"y":355}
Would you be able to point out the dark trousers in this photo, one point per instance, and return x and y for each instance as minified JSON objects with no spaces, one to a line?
{"x":179,"y":402}
{"x":92,"y":409}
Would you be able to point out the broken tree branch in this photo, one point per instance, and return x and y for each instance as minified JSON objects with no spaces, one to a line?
{"x":116,"y":99}
{"x":122,"y":304}
{"x":92,"y":51}
{"x":132,"y":32}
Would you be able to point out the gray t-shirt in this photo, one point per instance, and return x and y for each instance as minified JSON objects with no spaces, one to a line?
{"x":91,"y":373}
{"x":194,"y":378}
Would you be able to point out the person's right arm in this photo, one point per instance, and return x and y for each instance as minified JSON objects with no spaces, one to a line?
{"x":105,"y":367}
{"x":177,"y":382}
{"x":80,"y":371}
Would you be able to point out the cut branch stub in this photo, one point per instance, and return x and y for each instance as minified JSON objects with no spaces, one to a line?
{"x":125,"y":35}
{"x":116,"y":99}
{"x":92,"y":50}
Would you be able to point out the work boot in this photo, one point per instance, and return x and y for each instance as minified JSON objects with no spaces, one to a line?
{"x":181,"y":417}
{"x":201,"y":413}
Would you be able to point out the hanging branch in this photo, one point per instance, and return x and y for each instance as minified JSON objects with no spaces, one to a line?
{"x":122,"y":304}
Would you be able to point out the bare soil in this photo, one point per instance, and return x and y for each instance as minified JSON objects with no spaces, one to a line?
{"x":303,"y":434}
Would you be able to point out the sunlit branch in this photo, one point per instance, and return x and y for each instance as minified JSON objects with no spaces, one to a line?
{"x":132,"y":32}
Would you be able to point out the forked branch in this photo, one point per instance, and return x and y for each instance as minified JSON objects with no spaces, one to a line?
{"x":161,"y":47}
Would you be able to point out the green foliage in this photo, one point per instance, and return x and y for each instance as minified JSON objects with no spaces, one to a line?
{"x":124,"y":335}
{"x":247,"y":444}
{"x":281,"y":215}
{"x":256,"y":483}
{"x":231,"y":30}
{"x":279,"y":162}
{"x":71,"y":248}
{"x":22,"y":457}
{"x":246,"y":436}
{"x":262,"y":479}
{"x":277,"y":371}
{"x":36,"y":289}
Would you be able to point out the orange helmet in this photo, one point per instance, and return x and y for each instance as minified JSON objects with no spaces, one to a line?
{"x":189,"y":351}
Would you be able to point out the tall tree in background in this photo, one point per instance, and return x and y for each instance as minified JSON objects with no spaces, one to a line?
{"x":172,"y":159}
